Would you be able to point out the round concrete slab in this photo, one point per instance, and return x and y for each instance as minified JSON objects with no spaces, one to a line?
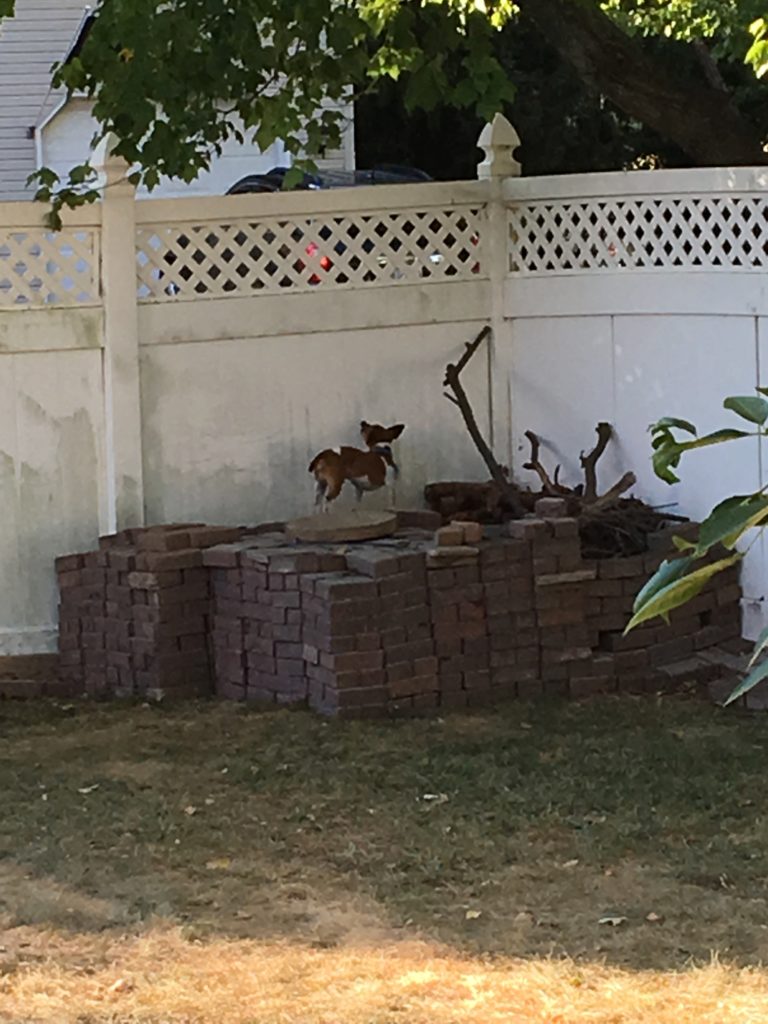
{"x":342,"y":527}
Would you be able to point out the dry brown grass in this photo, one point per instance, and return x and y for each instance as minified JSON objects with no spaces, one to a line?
{"x":210,"y":865}
{"x":161,"y":977}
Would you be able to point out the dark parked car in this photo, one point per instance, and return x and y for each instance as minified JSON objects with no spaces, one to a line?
{"x":272,"y":181}
{"x":317,"y":261}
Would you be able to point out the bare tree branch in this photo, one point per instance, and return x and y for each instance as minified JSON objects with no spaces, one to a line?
{"x":589,"y":462}
{"x":549,"y":487}
{"x":613,"y":494}
{"x":459,"y":397}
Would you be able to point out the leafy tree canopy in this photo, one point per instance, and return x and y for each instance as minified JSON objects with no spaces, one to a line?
{"x":174,"y":80}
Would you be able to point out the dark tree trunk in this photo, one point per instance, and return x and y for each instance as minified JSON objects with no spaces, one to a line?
{"x":698,"y":117}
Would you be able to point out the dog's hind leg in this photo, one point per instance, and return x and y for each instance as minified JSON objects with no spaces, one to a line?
{"x":320,"y":490}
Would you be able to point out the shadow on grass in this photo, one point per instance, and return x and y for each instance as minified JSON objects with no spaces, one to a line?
{"x":512,"y":833}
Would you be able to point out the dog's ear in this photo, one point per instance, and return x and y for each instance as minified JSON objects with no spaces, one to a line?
{"x":396,"y":431}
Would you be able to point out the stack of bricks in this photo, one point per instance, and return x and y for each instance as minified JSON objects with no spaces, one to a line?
{"x":459,"y":616}
{"x":258,"y":618}
{"x":82,"y":597}
{"x":656,"y":652}
{"x":410,"y":624}
{"x":514,"y":660}
{"x":559,"y":575}
{"x":367,"y":639}
{"x":133,"y":616}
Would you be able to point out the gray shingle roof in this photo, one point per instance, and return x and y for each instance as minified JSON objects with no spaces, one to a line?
{"x":39,"y":35}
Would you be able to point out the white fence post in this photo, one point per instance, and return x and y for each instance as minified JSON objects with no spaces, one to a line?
{"x":499,"y":140}
{"x":122,"y":387}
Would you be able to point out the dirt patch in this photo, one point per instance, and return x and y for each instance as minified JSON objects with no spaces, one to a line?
{"x":27,"y":900}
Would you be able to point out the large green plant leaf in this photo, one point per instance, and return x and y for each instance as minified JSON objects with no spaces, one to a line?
{"x":666,"y":598}
{"x":757,"y":675}
{"x":671,"y":422}
{"x":668,"y":450}
{"x":667,"y":573}
{"x":760,"y":644}
{"x":729,"y":520}
{"x":749,"y":407}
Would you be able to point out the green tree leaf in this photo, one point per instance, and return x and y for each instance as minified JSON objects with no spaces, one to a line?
{"x":760,"y":644}
{"x":665,"y":599}
{"x":668,"y":451}
{"x":667,"y":573}
{"x":749,"y":682}
{"x":670,"y":422}
{"x":749,"y":407}
{"x":729,"y":520}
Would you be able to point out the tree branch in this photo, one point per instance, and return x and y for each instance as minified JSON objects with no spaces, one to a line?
{"x":612,"y":495}
{"x":589,"y":462}
{"x":551,"y":488}
{"x":459,"y":397}
{"x":709,"y":65}
{"x":697,"y":116}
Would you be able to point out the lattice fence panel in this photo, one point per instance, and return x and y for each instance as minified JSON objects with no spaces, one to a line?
{"x":639,"y":233}
{"x":45,"y":268}
{"x":273,"y":255}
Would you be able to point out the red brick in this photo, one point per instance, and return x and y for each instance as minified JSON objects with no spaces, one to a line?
{"x":448,"y":646}
{"x":222,"y":557}
{"x":372,"y":677}
{"x":68,"y":563}
{"x":729,"y":595}
{"x":70,"y":578}
{"x":545,"y":565}
{"x":451,"y":700}
{"x":187,"y":592}
{"x":285,"y":599}
{"x":290,"y":667}
{"x":528,"y":530}
{"x":228,"y":690}
{"x":479,"y":679}
{"x":373,"y":562}
{"x":163,"y":540}
{"x":287,"y":634}
{"x":356,"y":661}
{"x":621,"y":568}
{"x":409,"y":651}
{"x":496,"y":572}
{"x":369,"y":642}
{"x":401,"y":670}
{"x":474,"y":612}
{"x":419,"y":519}
{"x":476,"y":645}
{"x":425,"y":666}
{"x":157,"y":561}
{"x":672,"y":650}
{"x":413,"y":685}
{"x":210,"y":536}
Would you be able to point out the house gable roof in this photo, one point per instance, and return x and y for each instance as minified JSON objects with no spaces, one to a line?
{"x":41,"y":33}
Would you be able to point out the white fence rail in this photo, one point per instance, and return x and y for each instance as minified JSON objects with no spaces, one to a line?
{"x":184,"y":359}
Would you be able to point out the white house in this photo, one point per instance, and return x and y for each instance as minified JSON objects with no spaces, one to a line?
{"x":40,"y":127}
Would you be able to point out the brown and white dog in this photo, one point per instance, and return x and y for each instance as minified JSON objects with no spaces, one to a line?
{"x":365,"y":470}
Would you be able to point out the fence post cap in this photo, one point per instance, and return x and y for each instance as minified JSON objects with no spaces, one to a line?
{"x":499,"y":139}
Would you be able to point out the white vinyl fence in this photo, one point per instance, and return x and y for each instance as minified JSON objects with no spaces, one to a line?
{"x":165,"y":360}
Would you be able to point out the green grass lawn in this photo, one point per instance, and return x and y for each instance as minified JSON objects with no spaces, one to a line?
{"x":509,"y":833}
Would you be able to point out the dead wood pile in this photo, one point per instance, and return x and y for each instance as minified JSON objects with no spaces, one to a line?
{"x":610,"y":523}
